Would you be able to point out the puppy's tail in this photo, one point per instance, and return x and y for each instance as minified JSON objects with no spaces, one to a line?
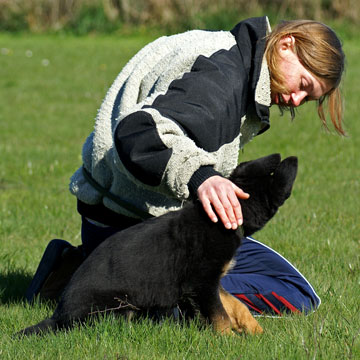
{"x":41,"y":328}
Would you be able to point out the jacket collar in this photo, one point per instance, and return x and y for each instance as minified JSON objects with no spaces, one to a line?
{"x":250,"y":36}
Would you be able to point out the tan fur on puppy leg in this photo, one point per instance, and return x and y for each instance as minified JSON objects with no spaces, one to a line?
{"x":221,"y":324}
{"x":239,"y":314}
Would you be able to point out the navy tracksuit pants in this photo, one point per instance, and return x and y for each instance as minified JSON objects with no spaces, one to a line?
{"x":267,"y":283}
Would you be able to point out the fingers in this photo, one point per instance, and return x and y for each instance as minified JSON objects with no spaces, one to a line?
{"x":221,"y":195}
{"x":240,"y":193}
{"x":208,"y":208}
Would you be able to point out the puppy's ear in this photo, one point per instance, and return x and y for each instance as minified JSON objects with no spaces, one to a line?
{"x":283,"y":180}
{"x":256,"y":168}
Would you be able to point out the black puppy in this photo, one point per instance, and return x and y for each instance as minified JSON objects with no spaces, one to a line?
{"x":176,"y":258}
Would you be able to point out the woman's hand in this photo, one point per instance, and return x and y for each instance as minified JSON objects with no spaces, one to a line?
{"x":222,"y":195}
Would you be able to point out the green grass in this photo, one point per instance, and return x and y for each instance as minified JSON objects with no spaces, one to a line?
{"x":50,"y":89}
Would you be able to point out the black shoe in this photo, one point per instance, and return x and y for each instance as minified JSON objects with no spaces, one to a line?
{"x":57,"y":265}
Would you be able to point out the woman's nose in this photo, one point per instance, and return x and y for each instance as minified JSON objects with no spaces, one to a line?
{"x":298,"y":98}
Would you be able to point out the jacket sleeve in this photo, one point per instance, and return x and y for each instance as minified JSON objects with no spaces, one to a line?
{"x":174,"y":142}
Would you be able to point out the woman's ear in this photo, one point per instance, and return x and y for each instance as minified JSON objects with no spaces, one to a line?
{"x":287,"y":43}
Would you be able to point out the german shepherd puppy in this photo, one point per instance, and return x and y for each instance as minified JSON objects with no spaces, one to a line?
{"x":177,"y":258}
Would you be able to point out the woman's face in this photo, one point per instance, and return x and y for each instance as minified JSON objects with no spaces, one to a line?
{"x":301,"y":84}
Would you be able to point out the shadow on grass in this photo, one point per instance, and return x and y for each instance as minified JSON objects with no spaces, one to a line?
{"x":13,"y":285}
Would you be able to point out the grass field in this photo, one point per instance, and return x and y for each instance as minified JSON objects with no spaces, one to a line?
{"x":50,"y":89}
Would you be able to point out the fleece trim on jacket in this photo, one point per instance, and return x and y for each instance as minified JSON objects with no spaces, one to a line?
{"x":177,"y":113}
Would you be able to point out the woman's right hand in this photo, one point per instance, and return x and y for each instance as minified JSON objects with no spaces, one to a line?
{"x":220,"y":194}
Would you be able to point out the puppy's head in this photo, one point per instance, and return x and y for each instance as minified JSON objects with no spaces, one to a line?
{"x":269,"y":182}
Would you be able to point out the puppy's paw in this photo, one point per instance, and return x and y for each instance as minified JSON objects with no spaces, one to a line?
{"x":240,"y":316}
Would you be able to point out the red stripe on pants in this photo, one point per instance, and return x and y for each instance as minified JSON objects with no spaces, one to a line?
{"x":285,"y":302}
{"x":248,"y":302}
{"x":267,"y":302}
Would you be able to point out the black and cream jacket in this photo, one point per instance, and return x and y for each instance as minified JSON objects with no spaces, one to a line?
{"x":177,"y":113}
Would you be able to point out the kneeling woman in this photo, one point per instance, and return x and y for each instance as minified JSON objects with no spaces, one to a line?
{"x":170,"y":129}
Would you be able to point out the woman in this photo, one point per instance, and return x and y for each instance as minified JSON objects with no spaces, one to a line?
{"x":170,"y":129}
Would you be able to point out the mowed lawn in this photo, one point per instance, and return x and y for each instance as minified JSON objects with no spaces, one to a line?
{"x":50,"y":90}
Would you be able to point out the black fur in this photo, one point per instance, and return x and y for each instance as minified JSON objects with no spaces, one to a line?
{"x":177,"y":256}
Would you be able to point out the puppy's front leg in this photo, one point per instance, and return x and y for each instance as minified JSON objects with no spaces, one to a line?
{"x":239,"y":314}
{"x":212,"y":309}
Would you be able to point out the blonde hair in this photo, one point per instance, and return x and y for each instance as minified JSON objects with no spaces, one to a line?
{"x":320,"y":52}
